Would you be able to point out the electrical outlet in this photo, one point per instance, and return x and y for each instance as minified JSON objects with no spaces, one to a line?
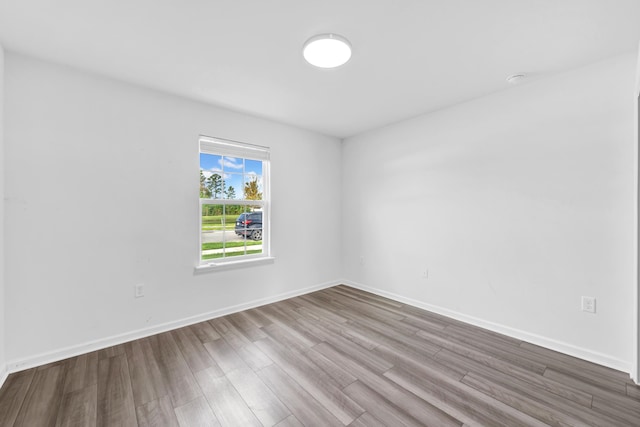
{"x":589,"y":304}
{"x":361,"y":260}
{"x":139,"y":290}
{"x":425,"y":273}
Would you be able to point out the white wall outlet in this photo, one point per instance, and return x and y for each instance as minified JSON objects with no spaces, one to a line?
{"x":139,"y":290}
{"x":425,"y":273}
{"x":361,"y":260}
{"x":589,"y":304}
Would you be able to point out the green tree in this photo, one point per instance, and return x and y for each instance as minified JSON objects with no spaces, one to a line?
{"x":215,"y":186}
{"x":251,"y":190}
{"x":234,"y":209}
{"x":204,"y":190}
{"x":231,"y":192}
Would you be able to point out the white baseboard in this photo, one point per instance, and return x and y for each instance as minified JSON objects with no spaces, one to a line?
{"x":64,"y":353}
{"x":572,"y":350}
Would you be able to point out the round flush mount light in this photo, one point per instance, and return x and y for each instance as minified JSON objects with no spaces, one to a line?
{"x":327,"y":50}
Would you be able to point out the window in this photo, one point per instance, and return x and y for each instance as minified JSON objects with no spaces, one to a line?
{"x":234,"y":202}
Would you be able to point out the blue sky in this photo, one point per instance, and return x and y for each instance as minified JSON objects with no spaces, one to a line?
{"x":235,"y":171}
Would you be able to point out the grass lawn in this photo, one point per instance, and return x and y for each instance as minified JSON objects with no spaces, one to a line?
{"x":219,"y":222}
{"x":207,"y":227}
{"x":218,"y":245}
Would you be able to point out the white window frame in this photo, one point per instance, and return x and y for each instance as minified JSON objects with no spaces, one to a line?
{"x":226,"y":147}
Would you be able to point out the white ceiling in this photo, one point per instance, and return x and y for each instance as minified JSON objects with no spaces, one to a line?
{"x":410,"y":56}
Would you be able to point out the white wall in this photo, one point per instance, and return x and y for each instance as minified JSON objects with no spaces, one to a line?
{"x":101,"y":187}
{"x":517,"y":203}
{"x":2,"y":168}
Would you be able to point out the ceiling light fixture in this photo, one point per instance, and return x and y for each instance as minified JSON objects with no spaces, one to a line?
{"x":327,"y":50}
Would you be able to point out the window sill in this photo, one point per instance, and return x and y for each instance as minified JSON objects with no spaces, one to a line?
{"x":228,"y":265}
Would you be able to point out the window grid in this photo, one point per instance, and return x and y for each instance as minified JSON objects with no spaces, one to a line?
{"x":252,"y":245}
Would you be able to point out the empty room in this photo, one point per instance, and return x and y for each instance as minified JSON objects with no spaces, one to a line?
{"x":410,"y":213}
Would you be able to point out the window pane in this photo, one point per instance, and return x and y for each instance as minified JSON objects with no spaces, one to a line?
{"x":210,"y":178}
{"x":229,"y":231}
{"x":233,"y":186}
{"x":217,"y":218}
{"x":252,"y":189}
{"x":214,"y":185}
{"x":210,"y":162}
{"x":253,"y":167}
{"x":232,"y":164}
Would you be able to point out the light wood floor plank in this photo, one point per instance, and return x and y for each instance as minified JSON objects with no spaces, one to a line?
{"x":248,"y":328}
{"x":258,"y":397}
{"x":578,"y":381}
{"x":42,"y":402}
{"x":147,"y":381}
{"x":290,"y":421}
{"x":363,"y":339}
{"x":354,"y":351}
{"x":157,"y":412}
{"x":196,"y":413}
{"x":516,"y":375}
{"x":625,"y":411}
{"x":633,"y":391}
{"x":505,"y":352}
{"x":242,"y":346}
{"x":82,"y":372}
{"x":12,"y":395}
{"x":302,"y":404}
{"x":204,"y":331}
{"x":399,"y":397}
{"x":282,"y":335}
{"x":381,"y":409}
{"x":192,"y":350}
{"x":561,"y":361}
{"x":318,"y":310}
{"x":312,"y":379}
{"x":177,"y":377}
{"x":79,"y":408}
{"x":474,"y":353}
{"x":417,"y":364}
{"x":441,"y":400}
{"x":256,"y":317}
{"x":226,"y":329}
{"x":366,"y":420}
{"x":112,"y":351}
{"x":341,"y":376}
{"x":227,"y":404}
{"x":229,"y":359}
{"x":528,"y":403}
{"x":115,"y":396}
{"x":225,"y":356}
{"x":444,"y":393}
{"x":280,"y":319}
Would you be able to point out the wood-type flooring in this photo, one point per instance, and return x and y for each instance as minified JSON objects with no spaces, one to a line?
{"x":336,"y":357}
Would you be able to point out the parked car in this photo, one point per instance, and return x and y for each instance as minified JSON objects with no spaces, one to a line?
{"x":249,"y":225}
